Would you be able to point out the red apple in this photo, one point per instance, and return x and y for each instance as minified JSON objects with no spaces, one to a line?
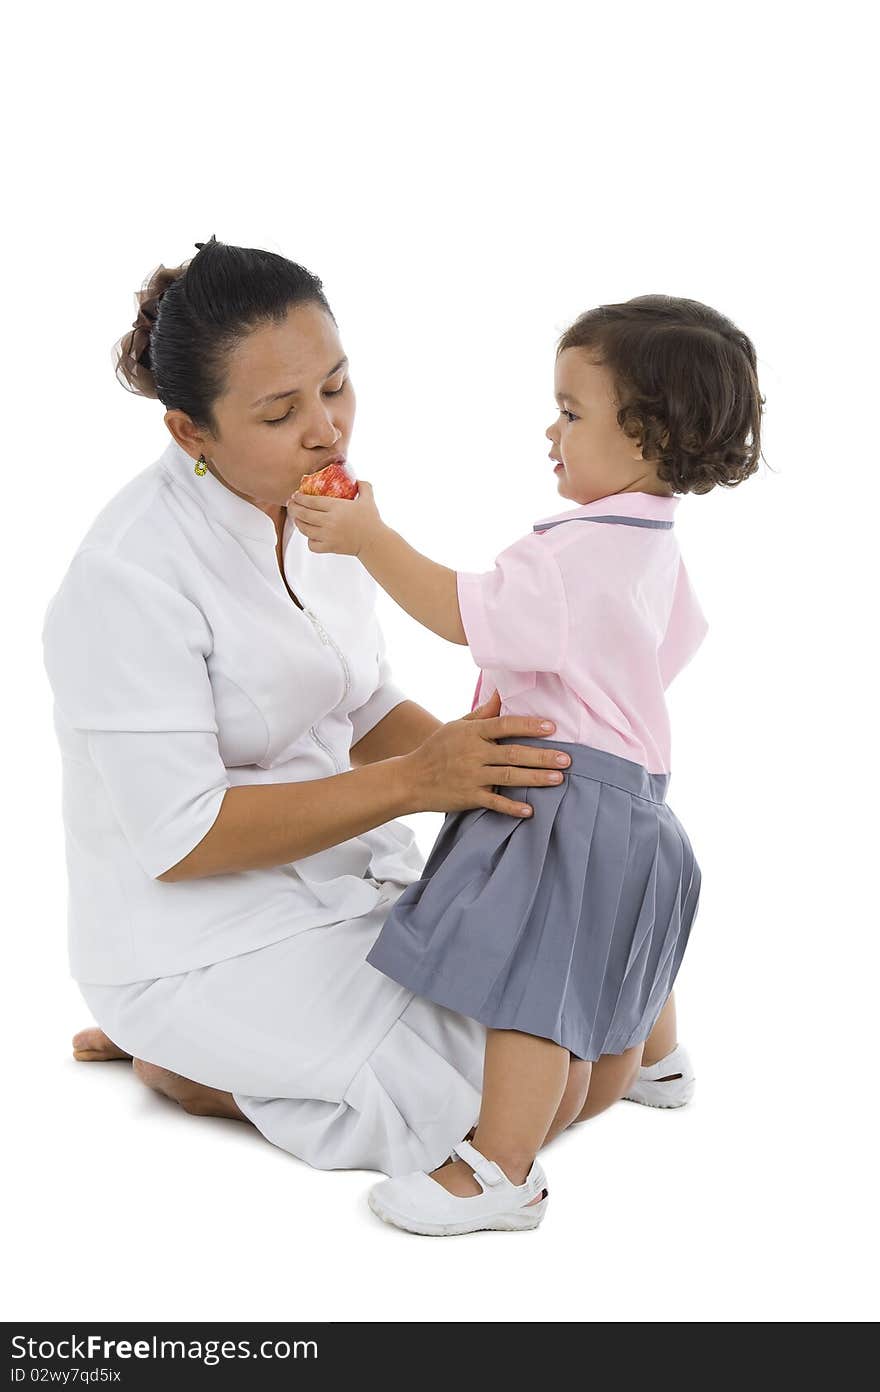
{"x":332,"y":482}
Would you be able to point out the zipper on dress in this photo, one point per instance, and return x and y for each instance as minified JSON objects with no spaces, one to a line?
{"x":327,"y":750}
{"x":325,"y":638}
{"x":328,"y":641}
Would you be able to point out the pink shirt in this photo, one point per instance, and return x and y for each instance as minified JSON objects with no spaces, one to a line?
{"x":585,"y":621}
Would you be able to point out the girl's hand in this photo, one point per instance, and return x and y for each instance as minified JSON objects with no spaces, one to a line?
{"x":344,"y":526}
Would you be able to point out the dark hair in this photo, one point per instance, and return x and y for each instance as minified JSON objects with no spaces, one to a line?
{"x":686,"y":383}
{"x":191,"y":316}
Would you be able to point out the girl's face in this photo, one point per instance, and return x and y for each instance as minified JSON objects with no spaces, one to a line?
{"x":593,"y":457}
{"x":264,"y":447}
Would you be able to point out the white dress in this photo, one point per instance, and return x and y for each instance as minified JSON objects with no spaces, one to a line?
{"x":180,"y":667}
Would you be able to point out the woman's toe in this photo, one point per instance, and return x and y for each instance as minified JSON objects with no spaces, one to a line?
{"x":92,"y":1045}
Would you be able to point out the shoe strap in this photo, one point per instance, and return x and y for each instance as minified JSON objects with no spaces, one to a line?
{"x":486,"y":1170}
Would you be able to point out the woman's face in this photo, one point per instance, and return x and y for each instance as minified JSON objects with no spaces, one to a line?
{"x":596,"y":457}
{"x":264,"y":447}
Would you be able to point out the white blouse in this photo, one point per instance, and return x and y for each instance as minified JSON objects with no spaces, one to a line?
{"x":180,"y":667}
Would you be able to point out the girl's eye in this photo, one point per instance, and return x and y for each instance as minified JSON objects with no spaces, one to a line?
{"x":278,"y":419}
{"x":568,"y":414}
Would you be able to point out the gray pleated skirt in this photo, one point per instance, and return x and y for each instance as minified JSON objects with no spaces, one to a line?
{"x":570,"y":924}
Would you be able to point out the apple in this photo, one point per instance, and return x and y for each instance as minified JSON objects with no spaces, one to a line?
{"x":332,"y":482}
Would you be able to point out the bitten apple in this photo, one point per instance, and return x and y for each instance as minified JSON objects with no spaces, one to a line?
{"x":332,"y":482}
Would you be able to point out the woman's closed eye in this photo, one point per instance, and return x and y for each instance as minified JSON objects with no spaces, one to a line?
{"x":276,"y":420}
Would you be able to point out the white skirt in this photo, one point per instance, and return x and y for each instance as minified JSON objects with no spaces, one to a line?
{"x":330,"y":1059}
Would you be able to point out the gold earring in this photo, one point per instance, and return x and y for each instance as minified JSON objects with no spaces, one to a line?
{"x":202,"y":466}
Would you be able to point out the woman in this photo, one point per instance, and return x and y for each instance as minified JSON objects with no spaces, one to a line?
{"x":235,"y":753}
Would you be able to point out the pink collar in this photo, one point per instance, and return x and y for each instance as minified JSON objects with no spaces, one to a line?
{"x":632,"y":504}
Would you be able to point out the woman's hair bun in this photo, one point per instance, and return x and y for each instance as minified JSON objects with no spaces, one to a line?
{"x":131,"y":353}
{"x":190,"y":318}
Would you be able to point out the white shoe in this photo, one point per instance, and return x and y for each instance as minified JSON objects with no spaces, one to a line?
{"x":419,"y":1204}
{"x":678,"y":1088}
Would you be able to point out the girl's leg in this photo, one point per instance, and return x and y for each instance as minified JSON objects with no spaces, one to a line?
{"x":571,"y":1106}
{"x":524,"y":1081}
{"x":663,"y":1038}
{"x":573,"y":1099}
{"x":611,"y":1078}
{"x":592,"y":1088}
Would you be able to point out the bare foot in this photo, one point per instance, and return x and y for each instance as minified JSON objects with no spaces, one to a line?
{"x":93,"y":1046}
{"x":195,"y":1098}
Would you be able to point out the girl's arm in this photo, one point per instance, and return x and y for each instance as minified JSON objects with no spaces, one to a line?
{"x":353,"y":527}
{"x":426,"y":590}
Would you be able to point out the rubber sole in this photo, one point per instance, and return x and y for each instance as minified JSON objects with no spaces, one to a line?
{"x":521,"y":1220}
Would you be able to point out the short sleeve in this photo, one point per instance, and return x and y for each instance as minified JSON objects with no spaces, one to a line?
{"x":124,"y":650}
{"x":516,"y":616}
{"x":386,"y":696}
{"x":126,"y":658}
{"x":685,"y":630}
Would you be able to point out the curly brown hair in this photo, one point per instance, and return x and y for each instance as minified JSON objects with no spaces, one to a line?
{"x":686,"y":383}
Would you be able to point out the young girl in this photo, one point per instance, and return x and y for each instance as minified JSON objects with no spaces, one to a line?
{"x":563,"y":932}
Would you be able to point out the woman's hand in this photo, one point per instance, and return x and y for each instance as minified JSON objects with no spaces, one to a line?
{"x":456,"y":767}
{"x":343,"y":526}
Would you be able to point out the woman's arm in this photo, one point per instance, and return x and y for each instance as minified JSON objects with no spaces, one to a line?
{"x":455,"y":766}
{"x":264,"y":824}
{"x":403,"y":729}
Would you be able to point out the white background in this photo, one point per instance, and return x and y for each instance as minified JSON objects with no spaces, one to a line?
{"x":466,"y":179}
